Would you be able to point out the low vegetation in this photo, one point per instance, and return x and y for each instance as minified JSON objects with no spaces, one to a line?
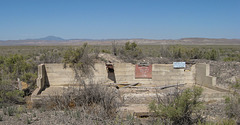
{"x":96,"y":99}
{"x":95,"y":104}
{"x":181,"y":107}
{"x":13,"y":67}
{"x":184,"y":53}
{"x":130,"y":52}
{"x":233,"y":102}
{"x":82,"y":61}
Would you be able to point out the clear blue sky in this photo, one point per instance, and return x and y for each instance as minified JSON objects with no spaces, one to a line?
{"x":106,"y":19}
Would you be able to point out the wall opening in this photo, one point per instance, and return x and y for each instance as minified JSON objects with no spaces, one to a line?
{"x":110,"y":70}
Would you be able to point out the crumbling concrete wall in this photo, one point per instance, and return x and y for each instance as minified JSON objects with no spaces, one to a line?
{"x":162,"y":74}
{"x":165,"y":74}
{"x":100,"y":73}
{"x":59,"y":75}
{"x":202,"y":75}
{"x":42,"y":80}
{"x":124,"y":72}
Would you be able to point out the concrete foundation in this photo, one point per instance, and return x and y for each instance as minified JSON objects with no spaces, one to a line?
{"x":54,"y":79}
{"x":56,"y":76}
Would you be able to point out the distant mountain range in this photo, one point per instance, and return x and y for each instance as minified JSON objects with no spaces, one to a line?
{"x":53,"y":40}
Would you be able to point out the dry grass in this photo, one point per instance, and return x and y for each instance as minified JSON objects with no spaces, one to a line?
{"x":93,"y":98}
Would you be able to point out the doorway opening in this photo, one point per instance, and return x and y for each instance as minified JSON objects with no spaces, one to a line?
{"x":110,"y":70}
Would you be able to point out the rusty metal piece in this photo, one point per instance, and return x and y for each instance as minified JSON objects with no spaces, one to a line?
{"x":143,"y":71}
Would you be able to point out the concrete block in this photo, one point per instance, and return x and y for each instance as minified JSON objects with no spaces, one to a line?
{"x":202,"y":75}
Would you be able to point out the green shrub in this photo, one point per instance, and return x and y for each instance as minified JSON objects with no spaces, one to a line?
{"x":35,"y":115}
{"x":184,"y":53}
{"x":131,"y":52}
{"x":29,"y":77}
{"x":21,"y":109}
{"x":11,"y":68}
{"x":82,"y":60}
{"x":9,"y":94}
{"x":233,"y":102}
{"x":229,"y":59}
{"x":212,"y":54}
{"x":29,"y":120}
{"x":106,"y":51}
{"x":1,"y":117}
{"x":51,"y":56}
{"x":232,"y":57}
{"x":227,"y":122}
{"x":221,"y":122}
{"x":5,"y":111}
{"x":11,"y":110}
{"x":15,"y":96}
{"x":95,"y":98}
{"x":2,"y":105}
{"x":179,"y":108}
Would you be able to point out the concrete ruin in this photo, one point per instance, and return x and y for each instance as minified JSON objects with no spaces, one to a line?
{"x":55,"y":79}
{"x":55,"y":76}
